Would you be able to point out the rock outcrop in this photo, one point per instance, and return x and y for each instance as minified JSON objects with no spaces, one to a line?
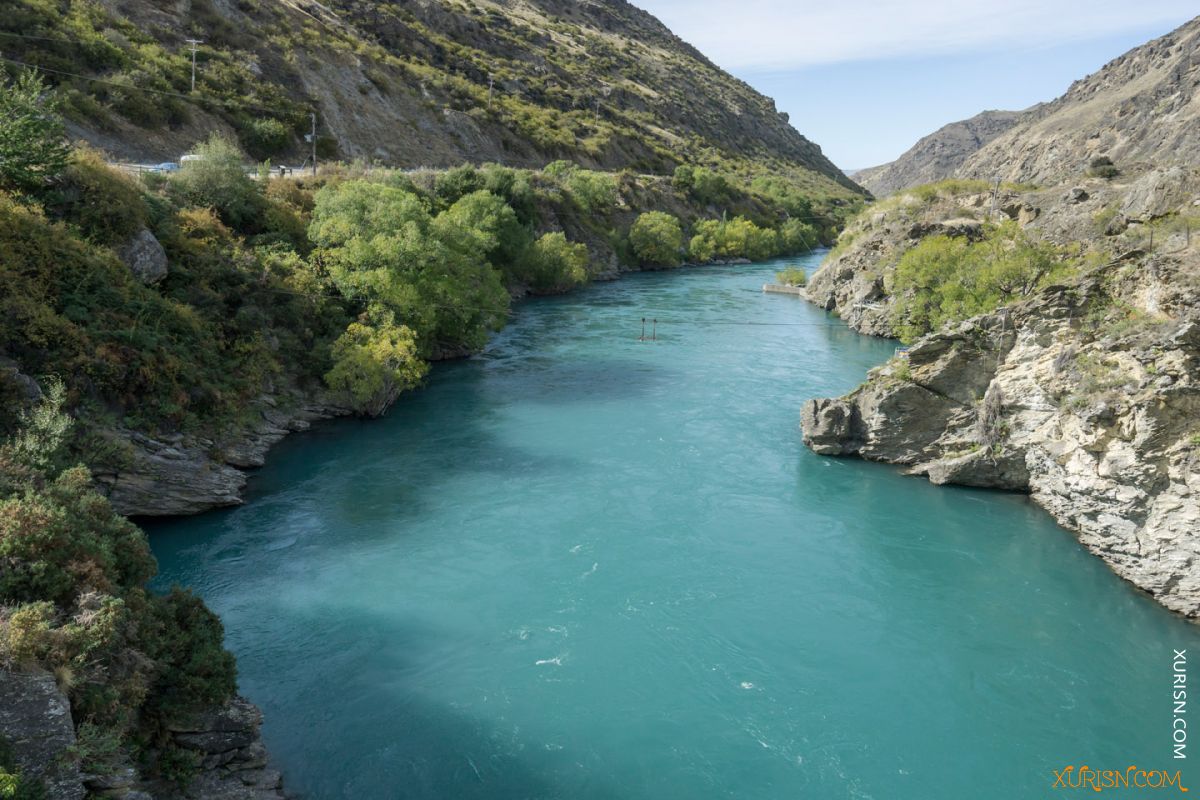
{"x":178,"y":474}
{"x":233,"y":760}
{"x":145,"y":257}
{"x":1085,"y":395}
{"x":1139,"y":110}
{"x":35,"y":723}
{"x":938,"y":155}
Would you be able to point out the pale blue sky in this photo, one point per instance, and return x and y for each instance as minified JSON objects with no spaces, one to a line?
{"x":865,"y":79}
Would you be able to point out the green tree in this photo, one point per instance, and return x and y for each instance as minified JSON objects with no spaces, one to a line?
{"x":948,"y":279}
{"x":33,"y":146}
{"x":657,"y":239}
{"x":554,"y":264}
{"x":217,"y":179}
{"x":381,"y":245}
{"x":374,"y":361}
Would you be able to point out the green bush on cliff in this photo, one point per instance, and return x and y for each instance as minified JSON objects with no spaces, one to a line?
{"x":657,"y":239}
{"x":375,"y":360}
{"x":72,"y":596}
{"x":218,"y":179}
{"x":792,"y":276}
{"x":381,"y":245}
{"x":946,"y":279}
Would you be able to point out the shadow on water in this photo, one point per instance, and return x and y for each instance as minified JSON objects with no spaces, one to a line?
{"x":389,"y":738}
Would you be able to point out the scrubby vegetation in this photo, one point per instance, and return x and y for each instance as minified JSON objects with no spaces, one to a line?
{"x":604,"y":86}
{"x":657,"y":239}
{"x":73,"y":601}
{"x":792,"y":276}
{"x":944,"y":278}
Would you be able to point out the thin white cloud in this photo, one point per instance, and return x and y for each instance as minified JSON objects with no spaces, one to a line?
{"x":758,"y":35}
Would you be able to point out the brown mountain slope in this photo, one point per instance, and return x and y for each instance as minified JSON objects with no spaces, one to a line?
{"x":426,"y":83}
{"x":1142,"y":108}
{"x":938,"y":155}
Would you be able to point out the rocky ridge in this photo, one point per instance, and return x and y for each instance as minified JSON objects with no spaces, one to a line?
{"x":938,"y":155}
{"x":1086,"y":395}
{"x":1138,"y":110}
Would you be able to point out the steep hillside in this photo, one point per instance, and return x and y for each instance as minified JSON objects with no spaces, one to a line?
{"x":430,"y":83}
{"x":938,"y":155}
{"x":1055,"y":351}
{"x":1140,"y":109}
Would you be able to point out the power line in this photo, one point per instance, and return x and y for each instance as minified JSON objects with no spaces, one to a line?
{"x":195,"y":43}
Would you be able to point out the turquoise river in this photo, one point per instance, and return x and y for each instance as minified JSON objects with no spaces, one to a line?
{"x":584,"y":566}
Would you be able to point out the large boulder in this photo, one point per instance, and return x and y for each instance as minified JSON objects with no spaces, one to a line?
{"x":145,"y":257}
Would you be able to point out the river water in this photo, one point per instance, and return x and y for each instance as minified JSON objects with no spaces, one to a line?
{"x":586,"y":566}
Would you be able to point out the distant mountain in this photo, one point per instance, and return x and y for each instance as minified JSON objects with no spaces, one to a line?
{"x":938,"y":155}
{"x":423,"y":83}
{"x":1140,"y":109}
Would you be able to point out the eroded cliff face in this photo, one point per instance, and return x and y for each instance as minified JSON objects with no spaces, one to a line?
{"x":180,"y":474}
{"x":938,"y":155}
{"x":1139,"y":109}
{"x":1085,"y":395}
{"x":36,"y":725}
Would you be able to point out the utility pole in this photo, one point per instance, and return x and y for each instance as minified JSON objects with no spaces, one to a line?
{"x":995,"y":197}
{"x":194,"y":43}
{"x":491,"y":83}
{"x":313,"y":137}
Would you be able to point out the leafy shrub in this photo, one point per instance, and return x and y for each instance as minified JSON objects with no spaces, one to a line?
{"x":553,"y":264}
{"x":797,"y":237}
{"x":657,"y":239}
{"x":218,"y":180}
{"x":264,"y":137}
{"x":374,"y":361}
{"x":381,"y":245}
{"x":684,"y":178}
{"x":1102,"y":167}
{"x":454,"y":183}
{"x":735,"y":238}
{"x":792,"y":276}
{"x":33,"y":147}
{"x":709,"y":187}
{"x":945,"y":279}
{"x":106,"y":204}
{"x":591,"y":191}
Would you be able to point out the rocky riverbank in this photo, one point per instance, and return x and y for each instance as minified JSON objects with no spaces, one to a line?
{"x":224,"y":744}
{"x":1086,"y":395}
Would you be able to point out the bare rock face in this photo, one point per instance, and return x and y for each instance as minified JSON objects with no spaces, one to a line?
{"x":1140,"y":108}
{"x":233,"y":759}
{"x":35,"y":720}
{"x":1102,"y":429}
{"x":145,"y":257}
{"x":176,"y":474}
{"x":938,"y":155}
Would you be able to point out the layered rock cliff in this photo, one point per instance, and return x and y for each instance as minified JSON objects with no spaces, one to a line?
{"x":37,"y":729}
{"x":1086,"y":394}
